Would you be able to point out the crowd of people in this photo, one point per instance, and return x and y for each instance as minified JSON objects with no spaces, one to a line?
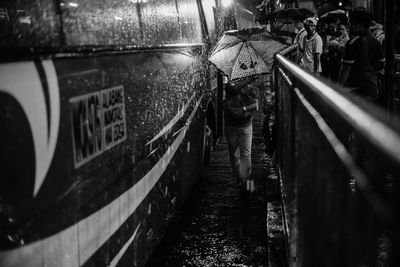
{"x":345,"y":50}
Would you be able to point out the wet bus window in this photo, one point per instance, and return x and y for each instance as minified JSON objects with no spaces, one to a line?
{"x":28,"y":24}
{"x":101,"y":22}
{"x":160,"y":22}
{"x":209,"y":13}
{"x":189,"y":20}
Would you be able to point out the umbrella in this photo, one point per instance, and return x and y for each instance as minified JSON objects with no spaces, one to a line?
{"x":301,"y":13}
{"x":243,"y":53}
{"x":333,"y":16}
{"x":337,"y":12}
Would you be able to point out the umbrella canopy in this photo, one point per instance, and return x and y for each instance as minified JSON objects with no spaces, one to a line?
{"x":243,"y":53}
{"x":337,"y":12}
{"x":290,"y":13}
{"x":333,"y":16}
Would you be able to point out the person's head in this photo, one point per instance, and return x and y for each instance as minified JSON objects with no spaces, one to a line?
{"x":360,"y":20}
{"x":375,"y":27}
{"x":310,"y":24}
{"x":332,"y":30}
{"x":342,"y":28}
{"x":322,"y":27}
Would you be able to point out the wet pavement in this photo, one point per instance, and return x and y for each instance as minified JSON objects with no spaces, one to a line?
{"x":220,"y":226}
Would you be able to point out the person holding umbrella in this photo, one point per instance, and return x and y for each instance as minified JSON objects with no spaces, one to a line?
{"x":243,"y":55}
{"x":239,"y":105}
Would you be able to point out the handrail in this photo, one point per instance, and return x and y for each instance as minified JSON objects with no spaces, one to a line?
{"x":386,"y":139}
{"x":365,"y":184}
{"x":338,"y":161}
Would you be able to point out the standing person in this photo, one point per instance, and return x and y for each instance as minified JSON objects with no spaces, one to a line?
{"x":343,"y":37}
{"x":336,"y":49}
{"x":301,"y":33}
{"x":322,"y":30}
{"x":363,"y":58}
{"x":239,"y":105}
{"x":312,"y":44}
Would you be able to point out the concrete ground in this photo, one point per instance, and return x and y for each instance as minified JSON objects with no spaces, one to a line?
{"x":223,"y":227}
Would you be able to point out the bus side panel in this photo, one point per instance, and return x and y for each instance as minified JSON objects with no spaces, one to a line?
{"x":111,"y":198}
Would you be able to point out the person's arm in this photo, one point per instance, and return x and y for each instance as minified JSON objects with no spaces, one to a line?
{"x":301,"y":41}
{"x":244,"y":82}
{"x":301,"y":51}
{"x":347,"y":62}
{"x":344,"y":73}
{"x":380,"y":57}
{"x":342,"y":44}
{"x":317,"y":54}
{"x":317,"y":62}
{"x":249,"y":98}
{"x":381,"y":64}
{"x":252,"y":107}
{"x":235,"y":110}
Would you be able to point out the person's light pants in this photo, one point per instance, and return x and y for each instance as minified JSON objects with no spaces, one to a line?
{"x":239,"y":145}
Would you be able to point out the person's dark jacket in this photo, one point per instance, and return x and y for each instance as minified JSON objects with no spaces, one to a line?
{"x":365,"y":55}
{"x":234,"y":114}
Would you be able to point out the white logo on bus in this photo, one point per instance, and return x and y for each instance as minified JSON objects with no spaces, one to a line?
{"x":22,"y":81}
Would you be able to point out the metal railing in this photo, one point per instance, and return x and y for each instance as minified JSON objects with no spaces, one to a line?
{"x":339,"y":163}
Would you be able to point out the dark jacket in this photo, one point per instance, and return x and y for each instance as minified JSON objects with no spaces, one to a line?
{"x":365,"y":55}
{"x":234,"y":114}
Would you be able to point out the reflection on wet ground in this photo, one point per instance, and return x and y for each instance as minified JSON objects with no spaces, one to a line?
{"x":220,"y":226}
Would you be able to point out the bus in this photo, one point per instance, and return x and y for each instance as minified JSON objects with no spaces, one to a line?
{"x":238,"y":17}
{"x":108,"y":112}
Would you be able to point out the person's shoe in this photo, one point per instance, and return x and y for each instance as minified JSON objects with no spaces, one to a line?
{"x":250,"y":185}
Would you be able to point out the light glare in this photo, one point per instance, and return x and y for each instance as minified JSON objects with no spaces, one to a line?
{"x":226,"y":3}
